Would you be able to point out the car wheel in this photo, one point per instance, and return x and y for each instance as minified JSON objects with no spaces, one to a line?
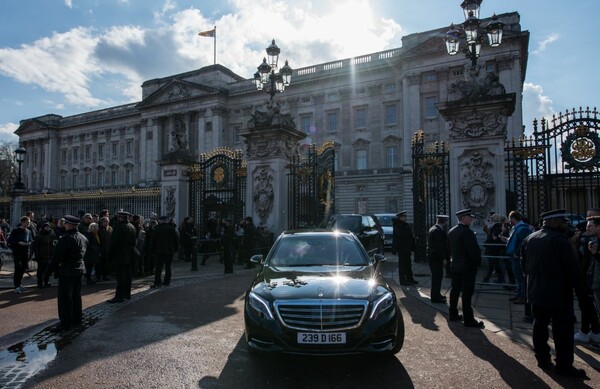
{"x":399,"y":334}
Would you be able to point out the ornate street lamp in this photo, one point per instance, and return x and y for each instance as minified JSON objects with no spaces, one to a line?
{"x":471,"y":33}
{"x":268,"y":78}
{"x":20,"y":158}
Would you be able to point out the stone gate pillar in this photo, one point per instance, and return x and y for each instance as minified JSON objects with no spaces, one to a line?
{"x":271,"y":140}
{"x":476,"y":115}
{"x":175,"y":184}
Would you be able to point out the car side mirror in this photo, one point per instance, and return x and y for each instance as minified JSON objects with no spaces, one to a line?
{"x":379,"y":258}
{"x":258,"y":258}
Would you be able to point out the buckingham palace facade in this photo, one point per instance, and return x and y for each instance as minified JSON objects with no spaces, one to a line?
{"x":369,"y":106}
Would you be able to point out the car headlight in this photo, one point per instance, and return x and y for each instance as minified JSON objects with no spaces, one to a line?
{"x":260,"y":306}
{"x":382,"y":304}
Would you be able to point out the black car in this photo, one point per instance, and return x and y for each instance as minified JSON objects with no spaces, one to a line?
{"x":365,"y":227}
{"x":318,"y":292}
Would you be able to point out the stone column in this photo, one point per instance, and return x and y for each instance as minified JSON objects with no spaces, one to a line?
{"x":271,"y":140}
{"x":476,"y":115}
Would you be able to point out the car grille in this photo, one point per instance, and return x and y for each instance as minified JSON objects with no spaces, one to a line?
{"x":317,"y":315}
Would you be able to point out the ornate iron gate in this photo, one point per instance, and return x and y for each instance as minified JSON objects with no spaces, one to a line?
{"x":558,"y":166}
{"x":431,"y":187}
{"x":311,"y":184}
{"x":218,"y":186}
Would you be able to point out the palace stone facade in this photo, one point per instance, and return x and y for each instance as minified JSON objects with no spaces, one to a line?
{"x":370,"y":106}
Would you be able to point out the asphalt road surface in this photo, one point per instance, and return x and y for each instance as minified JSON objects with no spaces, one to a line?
{"x":191,"y":335}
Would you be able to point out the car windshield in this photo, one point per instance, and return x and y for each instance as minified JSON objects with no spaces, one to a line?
{"x":385,"y":220}
{"x":350,"y":223}
{"x":326,"y":250}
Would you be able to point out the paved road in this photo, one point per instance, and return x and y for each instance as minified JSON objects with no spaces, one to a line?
{"x":190,"y":335}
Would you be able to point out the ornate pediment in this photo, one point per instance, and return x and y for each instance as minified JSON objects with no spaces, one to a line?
{"x":177,"y":90}
{"x":361,"y":142}
{"x":433,"y":45}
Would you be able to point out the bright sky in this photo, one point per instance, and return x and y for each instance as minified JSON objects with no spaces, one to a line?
{"x":72,"y":56}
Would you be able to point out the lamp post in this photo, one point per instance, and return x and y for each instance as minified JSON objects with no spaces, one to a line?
{"x":268,"y":78}
{"x":20,"y":158}
{"x":471,"y":33}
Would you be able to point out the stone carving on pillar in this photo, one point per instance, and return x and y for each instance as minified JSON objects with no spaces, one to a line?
{"x":263,"y":193}
{"x":474,"y":88}
{"x":477,"y":125}
{"x":170,"y":201}
{"x":477,"y":185}
{"x":273,"y":117}
{"x":261,"y":147}
{"x":179,"y":135}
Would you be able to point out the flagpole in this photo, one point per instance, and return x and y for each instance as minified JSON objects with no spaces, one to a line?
{"x":215,"y":47}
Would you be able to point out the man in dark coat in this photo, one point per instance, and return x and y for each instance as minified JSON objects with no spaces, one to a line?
{"x":465,"y":258}
{"x":165,"y":243}
{"x":438,"y":252}
{"x":69,"y":267}
{"x":121,"y":251}
{"x":553,"y":273}
{"x":403,"y":243}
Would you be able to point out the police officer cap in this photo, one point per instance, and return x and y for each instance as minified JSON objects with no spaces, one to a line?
{"x":555,"y":214}
{"x":464,"y":212}
{"x":123,"y":213}
{"x":442,"y":216}
{"x":70,"y":219}
{"x":401,"y":213}
{"x":163,"y":218}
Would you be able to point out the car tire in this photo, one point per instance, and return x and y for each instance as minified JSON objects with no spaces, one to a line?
{"x":399,"y":334}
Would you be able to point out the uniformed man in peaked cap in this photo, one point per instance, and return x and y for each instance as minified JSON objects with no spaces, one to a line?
{"x":69,"y":267}
{"x":403,"y":243}
{"x":465,"y":258}
{"x":552,"y":273}
{"x":438,"y":251}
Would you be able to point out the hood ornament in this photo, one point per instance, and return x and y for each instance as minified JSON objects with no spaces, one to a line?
{"x":320,"y":292}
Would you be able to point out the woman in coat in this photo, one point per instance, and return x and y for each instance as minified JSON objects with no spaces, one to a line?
{"x":92,"y":253}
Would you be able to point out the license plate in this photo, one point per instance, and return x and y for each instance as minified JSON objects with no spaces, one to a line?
{"x":322,"y":338}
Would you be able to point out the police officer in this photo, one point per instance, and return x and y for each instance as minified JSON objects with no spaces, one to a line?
{"x":403,"y":243}
{"x":552,"y":274}
{"x":438,"y":252}
{"x":465,"y":258}
{"x":69,"y":267}
{"x":121,"y":251}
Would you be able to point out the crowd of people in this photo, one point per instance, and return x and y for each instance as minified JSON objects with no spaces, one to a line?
{"x":98,"y":247}
{"x":548,"y":267}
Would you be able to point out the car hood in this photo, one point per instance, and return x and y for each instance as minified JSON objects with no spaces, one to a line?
{"x":361,"y":283}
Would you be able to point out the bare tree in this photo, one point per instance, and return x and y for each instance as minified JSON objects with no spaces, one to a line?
{"x":8,"y":167}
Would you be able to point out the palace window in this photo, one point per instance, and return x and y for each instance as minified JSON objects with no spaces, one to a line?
{"x":63,"y":156}
{"x":361,"y":159}
{"x":115,"y":149}
{"x":75,"y":154}
{"x":101,"y":152}
{"x":431,"y":111}
{"x":114,"y":178}
{"x":391,"y":114}
{"x":360,"y":118}
{"x":306,"y":121}
{"x":88,"y":152}
{"x":332,"y":121}
{"x":391,"y":156}
{"x":87,"y":180}
{"x":129,"y":148}
{"x":100,"y":179}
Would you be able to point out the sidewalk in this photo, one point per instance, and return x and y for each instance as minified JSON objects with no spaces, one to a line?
{"x":491,"y":304}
